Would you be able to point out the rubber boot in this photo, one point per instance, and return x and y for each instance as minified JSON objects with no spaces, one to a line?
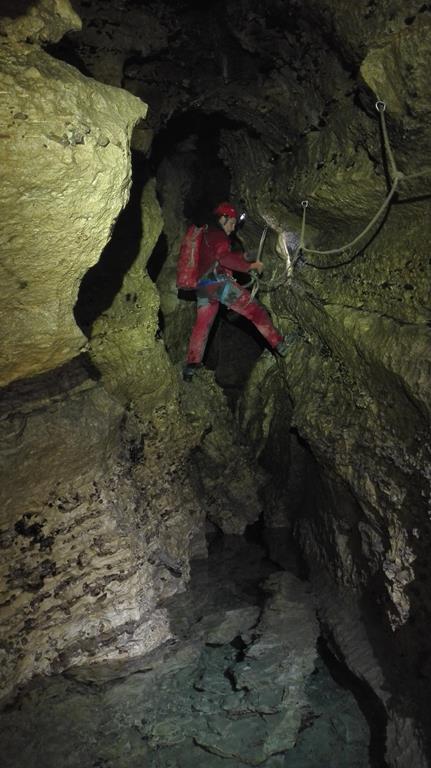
{"x":189,"y":371}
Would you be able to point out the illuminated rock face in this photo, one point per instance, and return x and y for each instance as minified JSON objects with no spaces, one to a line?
{"x":65,"y":177}
{"x":126,"y":345}
{"x":40,"y":21}
{"x":98,"y":524}
{"x":342,"y":424}
{"x":74,"y":568}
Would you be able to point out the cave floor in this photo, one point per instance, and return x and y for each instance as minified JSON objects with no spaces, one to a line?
{"x":242,"y":685}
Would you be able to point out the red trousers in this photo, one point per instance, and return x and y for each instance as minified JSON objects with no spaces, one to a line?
{"x":207,"y":310}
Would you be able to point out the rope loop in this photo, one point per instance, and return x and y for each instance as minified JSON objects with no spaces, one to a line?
{"x":348,"y":250}
{"x":358,"y":238}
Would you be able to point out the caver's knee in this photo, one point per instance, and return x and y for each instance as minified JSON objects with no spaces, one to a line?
{"x":241,"y":295}
{"x":204,"y":298}
{"x":244,"y":300}
{"x":229,"y":292}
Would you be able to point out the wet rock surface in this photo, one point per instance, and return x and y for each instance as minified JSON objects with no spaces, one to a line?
{"x":239,"y":684}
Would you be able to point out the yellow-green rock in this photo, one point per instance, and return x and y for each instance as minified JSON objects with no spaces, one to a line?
{"x":65,"y":159}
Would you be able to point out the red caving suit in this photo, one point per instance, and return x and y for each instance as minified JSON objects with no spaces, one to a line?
{"x":216,"y":286}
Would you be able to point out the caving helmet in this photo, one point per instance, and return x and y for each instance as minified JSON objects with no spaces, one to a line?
{"x":226,"y":209}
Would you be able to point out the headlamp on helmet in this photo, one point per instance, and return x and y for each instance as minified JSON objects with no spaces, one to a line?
{"x":226,"y":209}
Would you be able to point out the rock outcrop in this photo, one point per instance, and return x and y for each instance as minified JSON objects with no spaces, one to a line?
{"x":98,"y":524}
{"x":82,"y":499}
{"x":238,"y":685}
{"x":65,"y":156}
{"x":342,"y":424}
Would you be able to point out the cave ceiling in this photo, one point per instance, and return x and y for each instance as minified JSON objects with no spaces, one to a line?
{"x":240,"y":59}
{"x":232,"y":56}
{"x":297,"y":80}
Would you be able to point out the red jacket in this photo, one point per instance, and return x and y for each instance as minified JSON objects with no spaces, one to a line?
{"x":216,"y":247}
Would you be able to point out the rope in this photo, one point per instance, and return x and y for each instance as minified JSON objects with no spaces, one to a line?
{"x":395,"y":175}
{"x":262,"y":242}
{"x":301,"y":239}
{"x":364,"y":232}
{"x":259,"y":254}
{"x":381,"y":108}
{"x":426,"y":172}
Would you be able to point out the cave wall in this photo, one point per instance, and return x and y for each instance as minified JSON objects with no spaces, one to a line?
{"x":361,"y":366}
{"x":357,"y":378}
{"x":66,"y":176}
{"x":126,"y":346}
{"x":98,"y":524}
{"x":107,"y":472}
{"x":104,"y":452}
{"x":98,"y":520}
{"x":348,"y":413}
{"x":174,"y":180}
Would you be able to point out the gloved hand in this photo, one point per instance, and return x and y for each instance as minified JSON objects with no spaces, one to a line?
{"x":250,"y":256}
{"x":257,"y":265}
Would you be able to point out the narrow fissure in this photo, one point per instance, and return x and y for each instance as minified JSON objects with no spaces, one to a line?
{"x":369,"y":704}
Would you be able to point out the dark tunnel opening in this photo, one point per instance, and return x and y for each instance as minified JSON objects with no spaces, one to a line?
{"x":197,"y":134}
{"x":193,"y":139}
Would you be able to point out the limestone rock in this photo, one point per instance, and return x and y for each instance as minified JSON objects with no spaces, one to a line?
{"x":125,"y":344}
{"x":270,"y":680}
{"x":354,"y":29}
{"x":68,"y":571}
{"x":182,"y":706}
{"x":224,"y":627}
{"x":113,"y":36}
{"x":98,"y":522}
{"x":351,"y":641}
{"x":347,"y":412}
{"x":44,"y":21}
{"x":66,"y":175}
{"x":226,"y":475}
{"x":397,"y":72}
{"x":174,"y":181}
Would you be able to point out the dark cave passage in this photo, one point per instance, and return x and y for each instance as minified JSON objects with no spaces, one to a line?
{"x":197,"y":135}
{"x":231,"y":570}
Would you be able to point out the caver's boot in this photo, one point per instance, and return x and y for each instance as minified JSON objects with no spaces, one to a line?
{"x":189,"y":371}
{"x":284,"y":345}
{"x":282,"y":348}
